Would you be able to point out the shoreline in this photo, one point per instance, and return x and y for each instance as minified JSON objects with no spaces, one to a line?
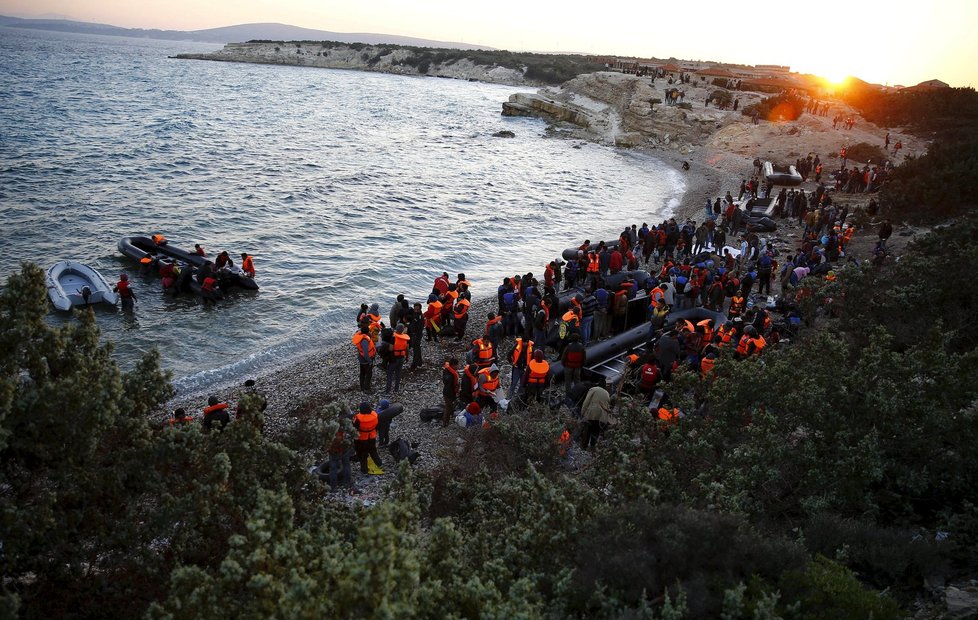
{"x":718,"y":160}
{"x":331,"y":374}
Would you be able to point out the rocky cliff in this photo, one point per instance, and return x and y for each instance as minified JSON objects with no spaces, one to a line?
{"x":379,"y":58}
{"x":624,"y":110}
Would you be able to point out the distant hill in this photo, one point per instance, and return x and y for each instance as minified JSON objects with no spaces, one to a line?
{"x":230,"y":34}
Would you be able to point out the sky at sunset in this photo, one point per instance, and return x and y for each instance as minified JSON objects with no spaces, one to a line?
{"x":888,"y":43}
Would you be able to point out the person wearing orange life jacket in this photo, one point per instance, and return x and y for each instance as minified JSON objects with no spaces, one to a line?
{"x":707,"y":364}
{"x":593,"y":269}
{"x":448,"y":304}
{"x":209,"y":289}
{"x":487,"y":388}
{"x":402,"y":343}
{"x":736,"y":305}
{"x":463,"y":285}
{"x":757,"y":342}
{"x":521,"y":352}
{"x":432,"y":318}
{"x":159,"y":240}
{"x":573,"y":359}
{"x":460,"y":316}
{"x":180,"y":417}
{"x":537,"y":376}
{"x":366,"y":352}
{"x":366,"y":421}
{"x":216,"y":414}
{"x":199,"y":250}
{"x":451,"y":384}
{"x":707,"y":327}
{"x":724,"y":334}
{"x":247,"y":265}
{"x":743,"y":345}
{"x":483,"y":353}
{"x":126,"y":294}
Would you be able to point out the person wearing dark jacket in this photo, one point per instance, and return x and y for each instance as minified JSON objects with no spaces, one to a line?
{"x":468,"y":383}
{"x":451,"y":385}
{"x":415,"y":329}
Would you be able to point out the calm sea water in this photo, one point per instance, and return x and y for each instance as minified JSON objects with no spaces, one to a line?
{"x":347,"y":187}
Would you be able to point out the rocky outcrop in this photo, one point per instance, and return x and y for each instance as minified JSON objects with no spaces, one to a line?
{"x":378,"y":58}
{"x":619,"y":109}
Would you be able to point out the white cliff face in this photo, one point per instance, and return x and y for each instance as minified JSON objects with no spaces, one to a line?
{"x":385,"y":59}
{"x":619,"y":109}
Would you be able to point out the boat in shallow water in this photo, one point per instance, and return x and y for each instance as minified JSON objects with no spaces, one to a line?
{"x":149,"y":252}
{"x":71,"y":283}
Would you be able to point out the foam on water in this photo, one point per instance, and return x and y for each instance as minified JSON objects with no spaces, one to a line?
{"x":348,"y":187}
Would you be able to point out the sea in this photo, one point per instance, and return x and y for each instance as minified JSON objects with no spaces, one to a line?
{"x":347,"y":187}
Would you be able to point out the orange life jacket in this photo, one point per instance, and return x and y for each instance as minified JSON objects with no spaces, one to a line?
{"x":208,"y":284}
{"x":401,"y":344}
{"x":742,"y":345}
{"x":489,"y":384}
{"x":248,"y":266}
{"x":706,"y":324}
{"x":159,"y":239}
{"x":371,"y":348}
{"x":570,"y":317}
{"x":518,"y":350}
{"x":657,"y":294}
{"x":736,"y":305}
{"x":484,"y":352}
{"x":759,"y":344}
{"x":593,"y":265}
{"x":667,"y":415}
{"x":368,"y":425}
{"x":374,"y":319}
{"x":124,"y":291}
{"x":214,"y":408}
{"x":723,"y":336}
{"x":461,"y":308}
{"x":538,"y":372}
{"x":706,"y":365}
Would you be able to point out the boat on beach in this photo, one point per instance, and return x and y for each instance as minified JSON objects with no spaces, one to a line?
{"x":776,"y":174}
{"x":71,"y":284}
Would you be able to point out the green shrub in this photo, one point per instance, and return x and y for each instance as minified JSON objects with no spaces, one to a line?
{"x":865,"y":152}
{"x":826,"y":590}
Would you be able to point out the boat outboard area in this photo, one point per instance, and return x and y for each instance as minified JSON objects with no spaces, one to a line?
{"x":71,"y":284}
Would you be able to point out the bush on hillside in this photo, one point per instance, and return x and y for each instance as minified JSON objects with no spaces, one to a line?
{"x":866,"y":152}
{"x":777,"y":108}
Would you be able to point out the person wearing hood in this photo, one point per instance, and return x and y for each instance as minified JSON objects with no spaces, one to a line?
{"x":596,"y":411}
{"x":398,"y":310}
{"x":487,"y":388}
{"x":536,"y":377}
{"x":216,"y":414}
{"x":386,"y":412}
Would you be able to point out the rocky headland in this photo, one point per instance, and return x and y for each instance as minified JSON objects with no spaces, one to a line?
{"x":376,"y":58}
